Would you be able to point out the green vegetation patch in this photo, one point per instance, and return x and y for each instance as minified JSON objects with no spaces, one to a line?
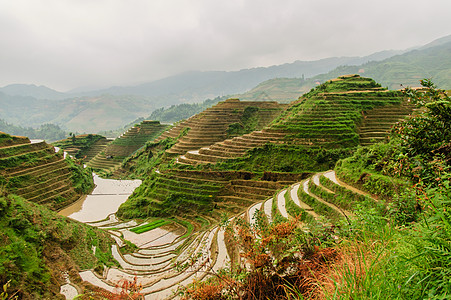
{"x":81,"y":177}
{"x":248,"y":122}
{"x":188,"y":225}
{"x":285,"y":158}
{"x":37,"y":246}
{"x":150,"y":226}
{"x":296,"y":211}
{"x":369,"y":169}
{"x":319,"y":207}
{"x":49,"y":132}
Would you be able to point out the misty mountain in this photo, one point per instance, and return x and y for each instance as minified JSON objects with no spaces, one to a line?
{"x":197,"y":86}
{"x":83,"y":114}
{"x":430,"y":61}
{"x":438,"y":42}
{"x":32,"y":90}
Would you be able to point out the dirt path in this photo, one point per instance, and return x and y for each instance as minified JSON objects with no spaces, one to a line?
{"x":223,"y":256}
{"x":281,"y":203}
{"x":333,"y":176}
{"x":298,"y":202}
{"x":267,"y":206}
{"x":339,"y":210}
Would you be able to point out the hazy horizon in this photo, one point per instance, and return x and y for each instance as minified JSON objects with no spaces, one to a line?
{"x":66,"y":45}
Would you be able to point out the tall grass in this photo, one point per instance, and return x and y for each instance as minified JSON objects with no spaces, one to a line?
{"x":382,"y":261}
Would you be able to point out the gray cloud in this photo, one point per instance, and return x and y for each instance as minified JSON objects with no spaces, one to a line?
{"x":69,"y":43}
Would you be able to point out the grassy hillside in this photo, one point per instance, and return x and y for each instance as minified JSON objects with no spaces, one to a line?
{"x":39,"y":248}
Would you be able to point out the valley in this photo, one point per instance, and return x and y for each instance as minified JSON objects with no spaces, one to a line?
{"x":251,"y":198}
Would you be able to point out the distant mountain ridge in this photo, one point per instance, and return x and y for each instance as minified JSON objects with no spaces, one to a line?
{"x":430,"y":61}
{"x":106,"y":109}
{"x":32,"y":90}
{"x":196,"y":86}
{"x":219,"y":83}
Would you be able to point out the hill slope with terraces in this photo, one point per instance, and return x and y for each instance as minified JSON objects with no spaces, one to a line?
{"x":341,"y":113}
{"x":225,"y":119}
{"x":35,"y":172}
{"x":84,"y":146}
{"x":39,"y":249}
{"x":323,"y":125}
{"x":322,"y":228}
{"x":111,"y":157}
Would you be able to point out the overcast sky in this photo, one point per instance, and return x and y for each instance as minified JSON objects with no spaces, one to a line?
{"x":65,"y":44}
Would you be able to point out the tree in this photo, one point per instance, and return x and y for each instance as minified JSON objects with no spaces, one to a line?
{"x":428,"y":133}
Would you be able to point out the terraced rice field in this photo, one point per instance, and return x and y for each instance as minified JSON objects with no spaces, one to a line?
{"x":206,"y":194}
{"x":38,"y":174}
{"x":212,"y":125}
{"x":84,"y":146}
{"x":111,"y":156}
{"x":349,"y":111}
{"x":164,"y":259}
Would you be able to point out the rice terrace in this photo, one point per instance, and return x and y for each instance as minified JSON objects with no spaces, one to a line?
{"x":316,"y":179}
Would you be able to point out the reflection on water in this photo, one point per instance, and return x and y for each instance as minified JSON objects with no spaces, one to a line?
{"x":35,"y":141}
{"x":104,"y":200}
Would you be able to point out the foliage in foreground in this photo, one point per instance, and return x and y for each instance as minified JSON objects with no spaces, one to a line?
{"x":37,"y":246}
{"x":277,"y":260}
